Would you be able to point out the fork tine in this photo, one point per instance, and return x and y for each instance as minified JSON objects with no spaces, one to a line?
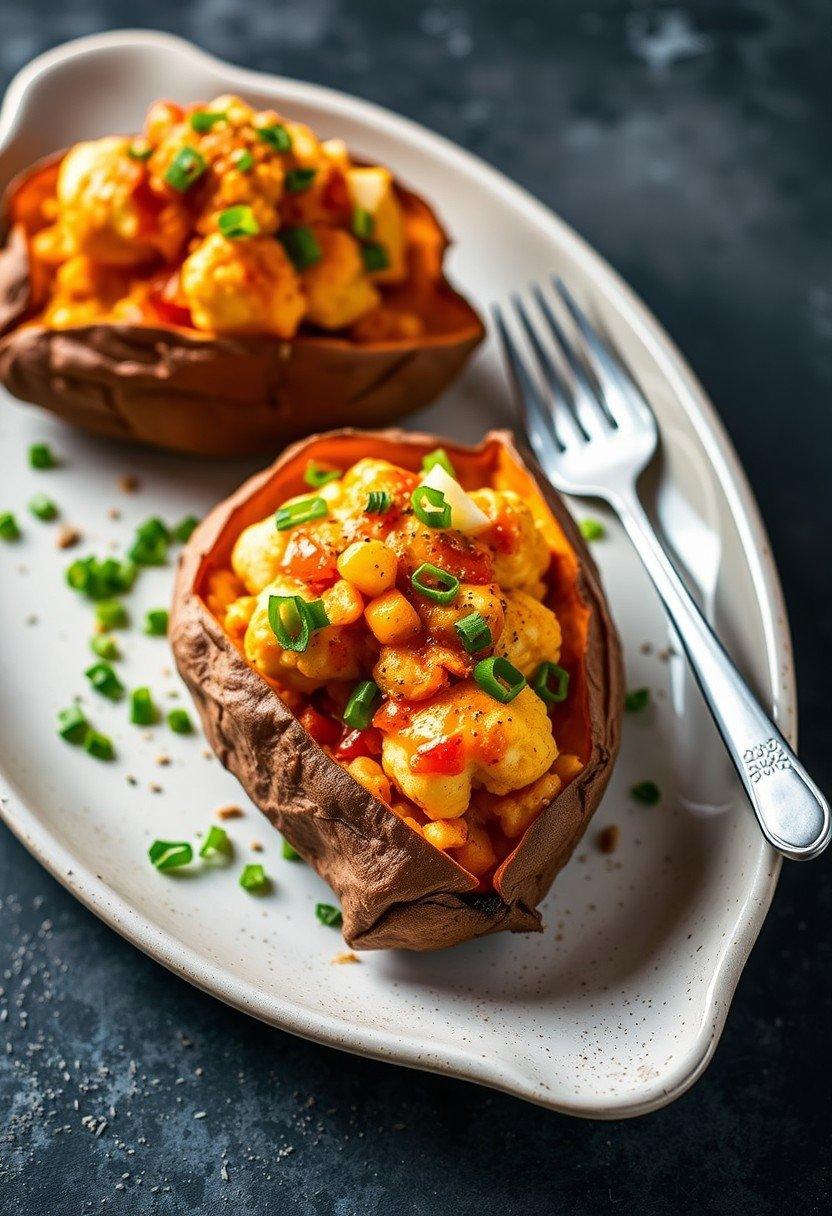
{"x":588,"y":401}
{"x":567,"y":425}
{"x":622,"y":395}
{"x":539,"y":422}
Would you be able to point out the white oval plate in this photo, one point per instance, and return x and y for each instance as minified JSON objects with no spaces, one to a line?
{"x":617,"y":1007}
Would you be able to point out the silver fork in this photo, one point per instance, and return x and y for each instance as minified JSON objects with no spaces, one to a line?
{"x":594,"y":433}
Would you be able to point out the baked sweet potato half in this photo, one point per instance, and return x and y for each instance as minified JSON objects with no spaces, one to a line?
{"x":404,"y":654}
{"x":222,"y":283}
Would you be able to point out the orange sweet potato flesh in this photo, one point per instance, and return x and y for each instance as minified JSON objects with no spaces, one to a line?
{"x":396,"y":890}
{"x":188,"y":391}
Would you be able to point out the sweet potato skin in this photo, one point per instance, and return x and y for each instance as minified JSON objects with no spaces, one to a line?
{"x":229,"y":396}
{"x":396,"y":890}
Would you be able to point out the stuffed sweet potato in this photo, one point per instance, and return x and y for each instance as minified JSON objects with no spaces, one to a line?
{"x":406,"y":657}
{"x":223,"y":282}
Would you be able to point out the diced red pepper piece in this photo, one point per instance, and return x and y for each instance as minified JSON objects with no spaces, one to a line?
{"x":444,"y":757}
{"x":310,"y":562}
{"x":357,"y":743}
{"x":323,"y":730}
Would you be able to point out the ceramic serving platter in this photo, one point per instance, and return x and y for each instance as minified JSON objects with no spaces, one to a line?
{"x":616,"y":1008}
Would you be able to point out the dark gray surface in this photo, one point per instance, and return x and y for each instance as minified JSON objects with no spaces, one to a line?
{"x":692,"y":148}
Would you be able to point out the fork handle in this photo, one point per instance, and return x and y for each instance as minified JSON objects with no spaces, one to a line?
{"x":792,"y":812}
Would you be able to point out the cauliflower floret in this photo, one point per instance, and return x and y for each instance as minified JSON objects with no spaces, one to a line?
{"x":373,"y":190}
{"x":257,"y":554}
{"x":83,"y":292}
{"x":522,"y":557}
{"x":334,"y":653}
{"x":410,"y":673}
{"x":517,"y":810}
{"x":371,"y":474}
{"x":502,"y":747}
{"x":531,"y":633}
{"x":242,"y":286}
{"x":338,"y":289}
{"x":440,"y":619}
{"x":101,"y":209}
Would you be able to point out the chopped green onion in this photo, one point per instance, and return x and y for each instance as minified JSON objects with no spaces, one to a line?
{"x":302,"y":512}
{"x":183,"y":531}
{"x":329,"y":915}
{"x":156,"y":622}
{"x":253,"y":878}
{"x":104,"y":680}
{"x":647,"y":792}
{"x":375,"y":257}
{"x":142,"y":710}
{"x":290,"y":854}
{"x":8,"y":526}
{"x":293,"y":620}
{"x":152,"y":529}
{"x":215,"y":842}
{"x":43,"y":508}
{"x":499,"y":678}
{"x":542,"y":683}
{"x":379,"y":502}
{"x":442,"y":587}
{"x":204,"y":120}
{"x":41,"y":456}
{"x":317,"y":475}
{"x":179,"y":721}
{"x":236,"y":222}
{"x":276,"y":136}
{"x":636,"y":700}
{"x":592,"y":529}
{"x":105,"y":647}
{"x":297,"y":180}
{"x":431,"y":507}
{"x":474,"y":633}
{"x":186,"y":168}
{"x":99,"y":580}
{"x":362,"y":223}
{"x":148,"y":552}
{"x":170,"y":854}
{"x":98,"y":745}
{"x":359,"y":711}
{"x":301,"y":246}
{"x":111,"y":614}
{"x":72,"y":725}
{"x":438,"y":456}
{"x":244,"y":161}
{"x":140,"y":151}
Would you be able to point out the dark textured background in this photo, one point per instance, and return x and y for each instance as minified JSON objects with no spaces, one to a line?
{"x":691,"y":146}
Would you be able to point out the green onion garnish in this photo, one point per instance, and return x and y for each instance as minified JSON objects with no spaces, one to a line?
{"x":153,"y":529}
{"x":294,"y":620}
{"x":473,"y":632}
{"x":361,"y":705}
{"x":8,"y":526}
{"x":253,"y":878}
{"x":379,"y":502}
{"x":592,"y":529}
{"x":637,"y":700}
{"x":155,"y":622}
{"x":98,"y":745}
{"x":111,"y":614}
{"x":430,"y":507}
{"x":204,"y":120}
{"x":276,"y":136}
{"x":148,"y":552}
{"x":105,"y":647}
{"x":301,"y":245}
{"x":290,"y":854}
{"x":186,"y":168}
{"x":99,"y":580}
{"x":647,"y":792}
{"x":140,"y":151}
{"x":302,"y":512}
{"x":438,"y":456}
{"x":317,"y":475}
{"x":215,"y":842}
{"x":104,"y":680}
{"x":170,"y":854}
{"x":183,"y":531}
{"x":297,"y":180}
{"x":236,"y":222}
{"x":362,"y":223}
{"x":43,"y":508}
{"x":375,"y":257}
{"x":244,"y":161}
{"x":551,"y":683}
{"x":436,"y":584}
{"x":329,"y":915}
{"x":499,"y":678}
{"x":41,"y":456}
{"x":142,"y":710}
{"x":180,"y":723}
{"x":72,"y":725}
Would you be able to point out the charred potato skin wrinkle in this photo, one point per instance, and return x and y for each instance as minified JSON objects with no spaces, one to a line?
{"x":396,"y":889}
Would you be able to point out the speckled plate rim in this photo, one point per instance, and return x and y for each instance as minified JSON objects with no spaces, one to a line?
{"x":339,"y":1033}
